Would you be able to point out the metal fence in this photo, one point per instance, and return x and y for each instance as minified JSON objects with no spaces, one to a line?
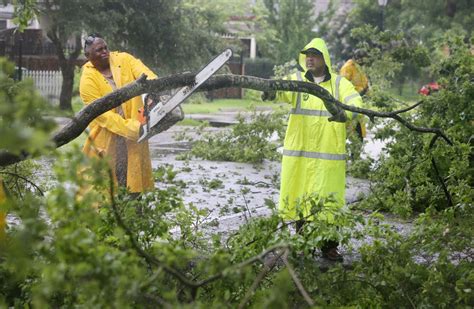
{"x":48,"y":83}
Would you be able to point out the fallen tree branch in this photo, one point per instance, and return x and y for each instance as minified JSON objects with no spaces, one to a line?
{"x":82,"y":119}
{"x":266,"y":269}
{"x":447,"y":194}
{"x":25,"y":180}
{"x":152,"y":260}
{"x":331,"y":104}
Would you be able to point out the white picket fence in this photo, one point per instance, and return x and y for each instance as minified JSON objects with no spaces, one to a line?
{"x":48,"y":83}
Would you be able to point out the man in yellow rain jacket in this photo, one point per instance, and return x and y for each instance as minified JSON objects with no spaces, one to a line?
{"x":353,"y":72}
{"x":314,"y":150}
{"x":114,"y":134}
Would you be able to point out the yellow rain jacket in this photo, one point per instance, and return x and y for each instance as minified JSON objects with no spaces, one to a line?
{"x":105,"y":128}
{"x":314,"y":149}
{"x":353,"y":72}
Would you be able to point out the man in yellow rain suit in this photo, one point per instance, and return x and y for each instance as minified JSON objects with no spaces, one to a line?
{"x":114,"y":134}
{"x":353,"y":72}
{"x":314,"y":151}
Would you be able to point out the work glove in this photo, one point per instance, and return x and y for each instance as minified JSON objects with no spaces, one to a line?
{"x":148,"y":104}
{"x":268,"y":95}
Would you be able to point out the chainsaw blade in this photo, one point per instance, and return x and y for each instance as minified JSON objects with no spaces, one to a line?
{"x":158,"y":112}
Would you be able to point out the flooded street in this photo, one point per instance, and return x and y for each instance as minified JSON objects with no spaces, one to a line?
{"x":232,"y":193}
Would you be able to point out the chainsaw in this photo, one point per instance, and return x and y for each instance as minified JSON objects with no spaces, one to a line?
{"x":152,"y":114}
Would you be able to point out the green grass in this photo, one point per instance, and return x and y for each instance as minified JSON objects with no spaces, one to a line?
{"x":78,"y":141}
{"x":223,"y":105}
{"x":409,"y":92}
{"x":189,"y":122}
{"x":77,"y":104}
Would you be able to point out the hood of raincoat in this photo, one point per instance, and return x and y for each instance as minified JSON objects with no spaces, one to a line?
{"x":320,"y":45}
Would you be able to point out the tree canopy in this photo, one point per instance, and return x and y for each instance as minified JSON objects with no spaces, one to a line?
{"x":292,"y":22}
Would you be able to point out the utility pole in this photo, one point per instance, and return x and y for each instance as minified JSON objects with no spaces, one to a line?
{"x":382,"y":4}
{"x":20,"y":56}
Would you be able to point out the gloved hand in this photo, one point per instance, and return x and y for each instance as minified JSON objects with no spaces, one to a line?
{"x":148,"y":104}
{"x":268,"y":95}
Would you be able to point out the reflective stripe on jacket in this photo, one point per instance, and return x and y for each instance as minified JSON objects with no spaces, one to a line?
{"x":314,"y":149}
{"x":105,"y":128}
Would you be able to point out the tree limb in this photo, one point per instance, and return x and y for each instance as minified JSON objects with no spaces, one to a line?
{"x":449,"y":199}
{"x":152,"y":260}
{"x":82,"y":119}
{"x":297,"y":281}
{"x":331,"y":104}
{"x":266,"y":269}
{"x":25,"y":180}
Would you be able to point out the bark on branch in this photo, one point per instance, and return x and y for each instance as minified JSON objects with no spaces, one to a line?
{"x":82,"y":119}
{"x":331,"y":104}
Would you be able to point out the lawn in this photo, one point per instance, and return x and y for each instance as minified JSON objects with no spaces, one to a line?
{"x":407,"y":93}
{"x":191,"y":107}
{"x":208,"y":107}
{"x":223,"y":105}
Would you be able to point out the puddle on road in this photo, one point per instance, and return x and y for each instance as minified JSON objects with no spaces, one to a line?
{"x":233,"y":193}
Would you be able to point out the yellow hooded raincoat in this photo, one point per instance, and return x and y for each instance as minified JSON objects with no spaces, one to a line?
{"x":105,"y":128}
{"x":314,"y":148}
{"x":353,"y":72}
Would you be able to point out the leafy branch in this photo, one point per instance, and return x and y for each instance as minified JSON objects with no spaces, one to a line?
{"x":152,"y":260}
{"x":16,"y":175}
{"x":296,"y":280}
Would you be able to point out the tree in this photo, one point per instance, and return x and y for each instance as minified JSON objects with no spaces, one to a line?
{"x":292,"y":22}
{"x":165,"y":34}
{"x":420,"y":21}
{"x":168,"y":35}
{"x":434,"y":175}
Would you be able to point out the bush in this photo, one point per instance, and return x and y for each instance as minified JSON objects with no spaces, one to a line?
{"x":419,"y":172}
{"x":259,"y":67}
{"x":245,"y":142}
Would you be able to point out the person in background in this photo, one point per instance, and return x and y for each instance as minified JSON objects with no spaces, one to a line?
{"x":314,"y":151}
{"x":352,"y":70}
{"x":429,"y":89}
{"x":114,"y":134}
